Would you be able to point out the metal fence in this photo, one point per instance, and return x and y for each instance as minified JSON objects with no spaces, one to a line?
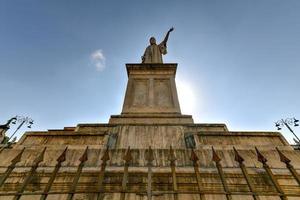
{"x":100,"y":190}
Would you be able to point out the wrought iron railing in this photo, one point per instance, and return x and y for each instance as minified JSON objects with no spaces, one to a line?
{"x":100,"y":189}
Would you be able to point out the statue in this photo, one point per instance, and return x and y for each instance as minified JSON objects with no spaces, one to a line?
{"x":153,"y":53}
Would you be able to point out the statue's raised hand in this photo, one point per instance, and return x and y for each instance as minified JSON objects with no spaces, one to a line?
{"x":171,"y":29}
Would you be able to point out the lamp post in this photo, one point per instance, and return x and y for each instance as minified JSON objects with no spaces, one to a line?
{"x":6,"y":126}
{"x":22,"y":120}
{"x":287,"y":122}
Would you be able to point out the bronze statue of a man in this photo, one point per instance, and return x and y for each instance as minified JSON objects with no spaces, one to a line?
{"x":154,"y":52}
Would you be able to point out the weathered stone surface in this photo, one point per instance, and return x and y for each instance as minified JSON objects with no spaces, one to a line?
{"x":151,"y":117}
{"x":151,"y":89}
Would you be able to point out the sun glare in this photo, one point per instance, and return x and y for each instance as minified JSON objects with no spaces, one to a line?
{"x":186,"y":95}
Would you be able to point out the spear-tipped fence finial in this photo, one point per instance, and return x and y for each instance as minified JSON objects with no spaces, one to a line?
{"x":260,"y":157}
{"x":215,"y":156}
{"x":62,"y":157}
{"x":283,"y":158}
{"x":18,"y":157}
{"x":172,"y":157}
{"x":290,"y":167}
{"x":194,"y":157}
{"x":149,"y":155}
{"x":237,"y":157}
{"x":84,"y":156}
{"x":105,"y":156}
{"x":127,"y":157}
{"x":11,"y":167}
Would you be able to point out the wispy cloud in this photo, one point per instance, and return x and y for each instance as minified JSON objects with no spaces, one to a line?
{"x":98,"y":59}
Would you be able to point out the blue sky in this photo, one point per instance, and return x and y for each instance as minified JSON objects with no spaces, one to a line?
{"x":63,"y":62}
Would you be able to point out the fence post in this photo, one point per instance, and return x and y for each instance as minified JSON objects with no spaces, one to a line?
{"x":238,"y":158}
{"x":82,"y":160}
{"x":149,"y":158}
{"x":172,"y":160}
{"x":271,"y":176}
{"x":287,"y":161}
{"x":217,"y":160}
{"x":28,"y":178}
{"x":195,"y":159}
{"x":100,"y":189}
{"x":11,"y":167}
{"x":127,"y":158}
{"x":59,"y":160}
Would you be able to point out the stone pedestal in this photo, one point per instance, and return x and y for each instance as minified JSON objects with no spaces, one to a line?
{"x":151,"y":89}
{"x":151,"y":96}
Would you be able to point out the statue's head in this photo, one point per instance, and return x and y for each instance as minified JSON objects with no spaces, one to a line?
{"x":152,"y":40}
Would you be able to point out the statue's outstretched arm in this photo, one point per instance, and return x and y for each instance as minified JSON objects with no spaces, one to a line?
{"x":167,"y":36}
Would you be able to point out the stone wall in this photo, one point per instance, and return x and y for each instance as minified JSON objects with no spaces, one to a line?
{"x":139,"y":138}
{"x":93,"y":161}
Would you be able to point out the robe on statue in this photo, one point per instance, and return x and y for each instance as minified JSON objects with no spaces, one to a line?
{"x":153,"y":53}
